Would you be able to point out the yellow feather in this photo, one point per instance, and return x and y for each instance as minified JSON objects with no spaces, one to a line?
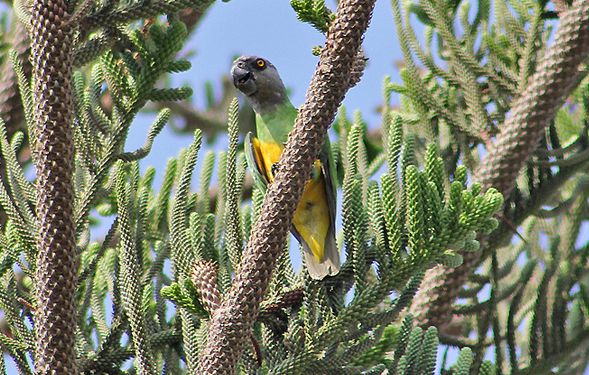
{"x":312,"y":217}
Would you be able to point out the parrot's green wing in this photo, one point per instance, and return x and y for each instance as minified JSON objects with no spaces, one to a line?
{"x":329,"y":172}
{"x":260,"y":180}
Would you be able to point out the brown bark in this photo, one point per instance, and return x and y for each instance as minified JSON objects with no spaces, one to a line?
{"x":233,"y":321}
{"x":55,"y":314}
{"x":554,"y":80}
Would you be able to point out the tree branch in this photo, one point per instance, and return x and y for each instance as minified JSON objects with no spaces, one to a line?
{"x":233,"y":322}
{"x":574,"y":352}
{"x":55,"y":316}
{"x":548,"y":88}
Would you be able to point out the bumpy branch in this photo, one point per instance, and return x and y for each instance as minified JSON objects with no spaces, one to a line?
{"x":55,"y":314}
{"x":233,"y":321}
{"x":555,"y":78}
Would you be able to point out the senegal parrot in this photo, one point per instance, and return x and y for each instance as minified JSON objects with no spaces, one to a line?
{"x":313,"y":223}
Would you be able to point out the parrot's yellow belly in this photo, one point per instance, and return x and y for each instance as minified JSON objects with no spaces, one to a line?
{"x":312,"y":216}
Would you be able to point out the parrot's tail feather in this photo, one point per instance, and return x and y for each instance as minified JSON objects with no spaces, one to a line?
{"x":329,"y":266}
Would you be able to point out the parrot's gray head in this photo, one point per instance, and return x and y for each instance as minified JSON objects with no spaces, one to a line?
{"x":260,"y":82}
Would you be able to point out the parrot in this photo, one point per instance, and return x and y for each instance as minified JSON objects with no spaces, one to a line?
{"x":313,"y":223}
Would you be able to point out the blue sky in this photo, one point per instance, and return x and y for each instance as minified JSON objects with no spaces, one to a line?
{"x":268,"y":28}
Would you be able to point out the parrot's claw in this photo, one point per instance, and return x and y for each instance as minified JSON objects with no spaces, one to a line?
{"x":274,"y":169}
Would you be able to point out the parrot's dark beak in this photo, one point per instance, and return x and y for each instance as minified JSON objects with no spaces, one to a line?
{"x":243,"y":80}
{"x":240,"y":75}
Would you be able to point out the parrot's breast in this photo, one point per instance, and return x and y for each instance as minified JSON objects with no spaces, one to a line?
{"x":312,"y":217}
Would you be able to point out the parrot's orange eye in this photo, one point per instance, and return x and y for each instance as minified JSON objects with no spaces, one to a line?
{"x":260,"y":63}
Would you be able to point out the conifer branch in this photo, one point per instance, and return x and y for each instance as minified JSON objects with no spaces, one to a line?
{"x":55,"y":316}
{"x":565,"y":357}
{"x":459,"y":92}
{"x":234,"y":319}
{"x":108,"y":17}
{"x":555,"y":78}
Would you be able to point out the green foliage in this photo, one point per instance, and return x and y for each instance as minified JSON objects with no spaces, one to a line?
{"x":234,"y":179}
{"x":314,"y":12}
{"x":127,"y":265}
{"x":184,"y":295}
{"x":409,"y":204}
{"x":379,"y":352}
{"x":458,"y":84}
{"x":335,"y":331}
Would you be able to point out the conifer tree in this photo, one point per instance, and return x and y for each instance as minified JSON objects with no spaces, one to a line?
{"x":463,"y":214}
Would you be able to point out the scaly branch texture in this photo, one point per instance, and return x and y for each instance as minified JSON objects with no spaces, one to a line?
{"x":555,"y":78}
{"x":234,"y":320}
{"x":157,"y":259}
{"x":55,"y":314}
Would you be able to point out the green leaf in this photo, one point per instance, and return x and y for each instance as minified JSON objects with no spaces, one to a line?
{"x":185,"y":295}
{"x":183,"y":255}
{"x":464,"y":362}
